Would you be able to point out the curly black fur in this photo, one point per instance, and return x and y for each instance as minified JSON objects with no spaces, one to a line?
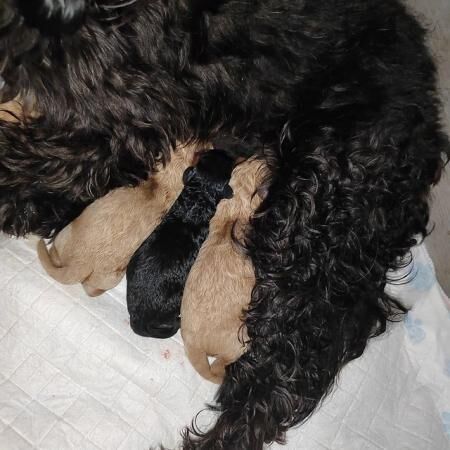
{"x":53,"y":16}
{"x":339,"y":96}
{"x":157,"y":272}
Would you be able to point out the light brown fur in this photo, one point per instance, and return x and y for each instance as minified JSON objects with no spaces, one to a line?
{"x":11,"y":111}
{"x":96,"y":247}
{"x":219,"y":286}
{"x":17,"y":109}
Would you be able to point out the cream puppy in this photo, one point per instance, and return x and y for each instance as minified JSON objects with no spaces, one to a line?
{"x":219,"y":286}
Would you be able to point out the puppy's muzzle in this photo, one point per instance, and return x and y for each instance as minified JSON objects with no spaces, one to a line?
{"x":152,"y":327}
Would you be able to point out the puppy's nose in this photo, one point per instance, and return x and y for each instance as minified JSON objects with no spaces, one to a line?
{"x":154,"y":328}
{"x":162,"y":330}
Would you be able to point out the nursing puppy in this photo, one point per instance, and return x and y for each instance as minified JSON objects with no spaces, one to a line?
{"x":96,"y":247}
{"x":157,"y":272}
{"x":219,"y":286}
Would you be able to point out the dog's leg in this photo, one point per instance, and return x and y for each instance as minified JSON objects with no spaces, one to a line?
{"x":47,"y":177}
{"x":92,"y":291}
{"x":98,"y":283}
{"x":338,"y":216}
{"x":41,"y":183}
{"x":218,"y":368}
{"x":23,"y":211}
{"x":199,"y":360}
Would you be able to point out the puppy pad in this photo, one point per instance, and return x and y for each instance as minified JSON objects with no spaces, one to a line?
{"x":74,"y":376}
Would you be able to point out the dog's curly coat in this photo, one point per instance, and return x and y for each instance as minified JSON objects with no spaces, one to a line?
{"x":338,"y":97}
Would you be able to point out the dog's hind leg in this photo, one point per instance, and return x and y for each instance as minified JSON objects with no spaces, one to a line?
{"x":91,"y":291}
{"x":62,"y":274}
{"x":42,"y":184}
{"x":199,"y":360}
{"x":218,"y":368}
{"x":98,"y":283}
{"x":47,"y":177}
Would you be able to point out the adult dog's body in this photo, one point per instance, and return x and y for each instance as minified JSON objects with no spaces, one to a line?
{"x":339,"y":96}
{"x":157,"y":272}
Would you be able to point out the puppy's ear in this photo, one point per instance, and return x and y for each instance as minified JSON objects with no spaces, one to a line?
{"x":227,"y":191}
{"x":188,"y":174}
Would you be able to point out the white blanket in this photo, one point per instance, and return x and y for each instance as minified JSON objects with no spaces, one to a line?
{"x":74,"y":376}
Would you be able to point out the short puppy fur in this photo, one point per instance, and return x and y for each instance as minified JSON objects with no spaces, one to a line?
{"x":219,"y":286}
{"x":96,"y":247}
{"x":157,"y":272}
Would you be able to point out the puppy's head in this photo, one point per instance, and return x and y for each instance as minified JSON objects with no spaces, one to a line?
{"x":154,"y":324}
{"x":212,"y":173}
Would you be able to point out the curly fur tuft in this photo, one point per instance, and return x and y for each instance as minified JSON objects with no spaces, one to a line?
{"x":53,"y":16}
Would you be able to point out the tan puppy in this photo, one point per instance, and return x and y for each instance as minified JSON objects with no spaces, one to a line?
{"x":220,"y":283}
{"x":96,"y":247}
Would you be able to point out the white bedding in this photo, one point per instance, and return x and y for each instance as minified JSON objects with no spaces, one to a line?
{"x":73,"y":375}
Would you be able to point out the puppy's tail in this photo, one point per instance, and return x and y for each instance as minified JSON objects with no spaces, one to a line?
{"x":199,"y":360}
{"x":52,"y":264}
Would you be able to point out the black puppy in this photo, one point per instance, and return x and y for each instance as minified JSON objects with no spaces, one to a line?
{"x":157,"y":273}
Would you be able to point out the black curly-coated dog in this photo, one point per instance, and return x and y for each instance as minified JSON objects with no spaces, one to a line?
{"x":157,"y":272}
{"x":338,"y":96}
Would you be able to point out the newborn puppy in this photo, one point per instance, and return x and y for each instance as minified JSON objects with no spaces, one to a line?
{"x":219,"y":286}
{"x":157,"y":272}
{"x":96,"y":247}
